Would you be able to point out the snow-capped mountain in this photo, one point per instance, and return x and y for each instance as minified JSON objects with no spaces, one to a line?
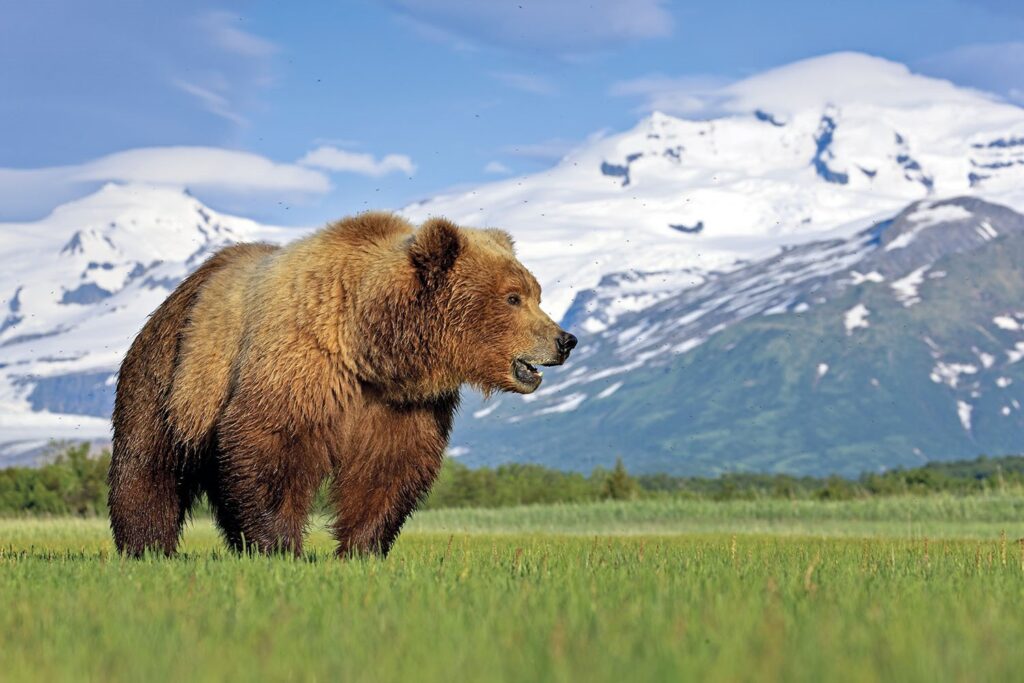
{"x":833,"y":189}
{"x":819,"y":147}
{"x":75,"y":289}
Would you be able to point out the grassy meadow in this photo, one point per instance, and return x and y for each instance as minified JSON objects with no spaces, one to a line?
{"x":897,"y":589}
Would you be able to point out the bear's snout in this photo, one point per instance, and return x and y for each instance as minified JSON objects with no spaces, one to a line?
{"x":565,"y":343}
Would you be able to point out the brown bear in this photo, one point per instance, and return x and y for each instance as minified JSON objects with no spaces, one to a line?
{"x":271,"y":369}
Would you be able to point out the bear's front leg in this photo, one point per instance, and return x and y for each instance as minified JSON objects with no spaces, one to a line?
{"x":391,"y":458}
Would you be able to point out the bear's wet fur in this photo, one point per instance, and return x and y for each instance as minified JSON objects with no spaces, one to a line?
{"x":339,"y":356}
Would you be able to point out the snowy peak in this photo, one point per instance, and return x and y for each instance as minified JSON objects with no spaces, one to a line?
{"x":141,"y":221}
{"x":90,"y":249}
{"x":78,"y":285}
{"x":819,"y":147}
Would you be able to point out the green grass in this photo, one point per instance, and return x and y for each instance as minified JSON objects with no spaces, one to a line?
{"x":937,"y":516}
{"x":611,"y":592}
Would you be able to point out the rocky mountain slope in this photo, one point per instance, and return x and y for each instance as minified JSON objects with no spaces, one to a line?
{"x":897,"y":345}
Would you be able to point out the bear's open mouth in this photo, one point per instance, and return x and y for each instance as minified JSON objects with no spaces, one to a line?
{"x":526,"y":373}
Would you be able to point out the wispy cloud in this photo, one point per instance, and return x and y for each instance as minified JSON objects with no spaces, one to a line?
{"x":673,"y":95}
{"x":436,"y":34}
{"x":531,"y":83}
{"x":558,"y":26}
{"x":340,"y":160}
{"x":497,"y":168}
{"x":225,"y":31}
{"x":246,"y":65}
{"x":213,"y":102}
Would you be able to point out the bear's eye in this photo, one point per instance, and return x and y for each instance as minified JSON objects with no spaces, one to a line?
{"x":513,"y":300}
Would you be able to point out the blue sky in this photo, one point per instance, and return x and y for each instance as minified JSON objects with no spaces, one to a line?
{"x":296,"y":113}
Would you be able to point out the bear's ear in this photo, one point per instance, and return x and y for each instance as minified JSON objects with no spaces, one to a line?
{"x":434,"y":249}
{"x":503,"y":239}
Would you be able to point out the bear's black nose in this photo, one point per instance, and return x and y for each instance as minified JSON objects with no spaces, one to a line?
{"x":566,"y":343}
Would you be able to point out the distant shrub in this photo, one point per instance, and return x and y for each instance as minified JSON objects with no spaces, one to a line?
{"x":74,"y":482}
{"x":618,"y":485}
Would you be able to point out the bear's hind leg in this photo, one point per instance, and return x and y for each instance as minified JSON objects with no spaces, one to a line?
{"x":149,"y":499}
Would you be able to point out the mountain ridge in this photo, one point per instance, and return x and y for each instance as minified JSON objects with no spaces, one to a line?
{"x":916,"y":341}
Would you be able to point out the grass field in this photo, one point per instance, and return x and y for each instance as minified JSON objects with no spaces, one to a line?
{"x":888,"y":589}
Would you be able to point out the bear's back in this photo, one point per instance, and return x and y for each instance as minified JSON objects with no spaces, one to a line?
{"x":210,"y":341}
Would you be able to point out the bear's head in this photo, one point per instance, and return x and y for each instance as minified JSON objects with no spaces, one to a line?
{"x":488,"y":328}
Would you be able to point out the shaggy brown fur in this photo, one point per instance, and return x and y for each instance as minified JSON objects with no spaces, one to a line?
{"x":339,"y":356}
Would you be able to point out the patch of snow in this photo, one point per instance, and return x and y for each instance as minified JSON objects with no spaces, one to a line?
{"x":987,"y":232}
{"x":822,"y":370}
{"x":925,"y":218}
{"x":1003,"y":382}
{"x":486,"y":410}
{"x":458,"y":451}
{"x":987,"y":359}
{"x":570,"y":403}
{"x":857,"y":278}
{"x":610,"y":390}
{"x":687,"y":345}
{"x":1016,"y":353}
{"x":949,"y":373}
{"x":1005,"y":411}
{"x":963,"y":411}
{"x":1005,"y":322}
{"x":856,"y":318}
{"x":905,"y":289}
{"x":631,"y":333}
{"x":933,"y":215}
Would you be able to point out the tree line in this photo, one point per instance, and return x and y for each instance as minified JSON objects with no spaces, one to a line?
{"x":73,"y":482}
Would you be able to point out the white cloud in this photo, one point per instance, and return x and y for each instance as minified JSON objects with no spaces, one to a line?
{"x":497,"y":168}
{"x":537,"y":85}
{"x":834,"y":77}
{"x":203,"y":166}
{"x":25,"y":192}
{"x":561,"y":26}
{"x":334,"y":159}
